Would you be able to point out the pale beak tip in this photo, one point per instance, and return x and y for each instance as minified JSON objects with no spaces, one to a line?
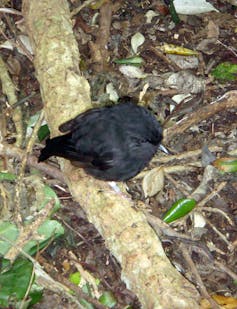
{"x":164,"y":149}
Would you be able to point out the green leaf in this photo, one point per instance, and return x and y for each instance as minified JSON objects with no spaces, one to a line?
{"x":4,"y":265}
{"x":36,"y":294}
{"x":87,"y":289}
{"x":173,"y":12}
{"x":49,"y":230}
{"x":86,"y":304}
{"x":43,"y":132}
{"x":14,"y":282}
{"x":131,"y":60}
{"x":225,"y":71}
{"x":9,"y":231}
{"x":97,"y":281}
{"x":108,"y":299}
{"x":75,"y":278}
{"x":49,"y":195}
{"x":7,"y":176}
{"x":179,"y":209}
{"x":226,"y":165}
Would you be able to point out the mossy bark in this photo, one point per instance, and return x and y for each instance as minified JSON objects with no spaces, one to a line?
{"x":145,"y":267}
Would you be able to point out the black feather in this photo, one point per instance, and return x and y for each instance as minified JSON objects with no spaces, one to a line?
{"x":114,"y":142}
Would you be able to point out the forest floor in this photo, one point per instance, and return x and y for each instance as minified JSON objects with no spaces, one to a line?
{"x":177,"y":87}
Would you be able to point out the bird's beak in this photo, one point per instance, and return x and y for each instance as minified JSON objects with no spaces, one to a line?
{"x":164,"y":149}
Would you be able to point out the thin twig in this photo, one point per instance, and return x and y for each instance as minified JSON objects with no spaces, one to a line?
{"x":177,"y":185}
{"x":186,"y":155}
{"x":29,"y":231}
{"x":78,"y":9}
{"x":99,"y":51}
{"x":222,"y":236}
{"x":23,"y":302}
{"x":18,"y":43}
{"x":9,"y":89}
{"x":163,"y":57}
{"x":232,"y":49}
{"x":227,"y":101}
{"x":74,"y":231}
{"x":10,"y":11}
{"x":15,"y":152}
{"x":214,"y":192}
{"x":225,"y":269}
{"x":163,"y":228}
{"x":199,"y":281}
{"x":67,"y":284}
{"x":219,"y":211}
{"x":44,"y":279}
{"x":19,"y":184}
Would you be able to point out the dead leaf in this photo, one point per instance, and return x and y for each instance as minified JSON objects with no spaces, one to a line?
{"x":153,"y":182}
{"x":212,"y":30}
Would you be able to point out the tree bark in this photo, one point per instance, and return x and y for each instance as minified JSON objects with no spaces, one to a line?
{"x":145,"y":267}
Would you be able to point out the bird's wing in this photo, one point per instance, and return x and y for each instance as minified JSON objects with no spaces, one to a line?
{"x":82,"y":119}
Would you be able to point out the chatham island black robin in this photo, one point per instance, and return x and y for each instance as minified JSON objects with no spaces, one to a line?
{"x":111,"y":143}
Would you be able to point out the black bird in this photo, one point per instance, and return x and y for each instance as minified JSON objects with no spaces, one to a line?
{"x":111,"y":143}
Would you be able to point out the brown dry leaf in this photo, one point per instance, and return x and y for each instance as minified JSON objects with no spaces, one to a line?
{"x":224,"y":302}
{"x":223,"y":20}
{"x":213,"y":30}
{"x":153,"y":182}
{"x":14,"y":65}
{"x":207,"y":46}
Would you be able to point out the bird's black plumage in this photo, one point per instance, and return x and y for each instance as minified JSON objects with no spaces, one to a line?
{"x":113,"y":143}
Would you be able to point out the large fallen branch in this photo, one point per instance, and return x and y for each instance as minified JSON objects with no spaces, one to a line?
{"x":145,"y":267}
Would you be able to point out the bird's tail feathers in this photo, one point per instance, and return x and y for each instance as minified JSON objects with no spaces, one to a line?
{"x":58,"y":146}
